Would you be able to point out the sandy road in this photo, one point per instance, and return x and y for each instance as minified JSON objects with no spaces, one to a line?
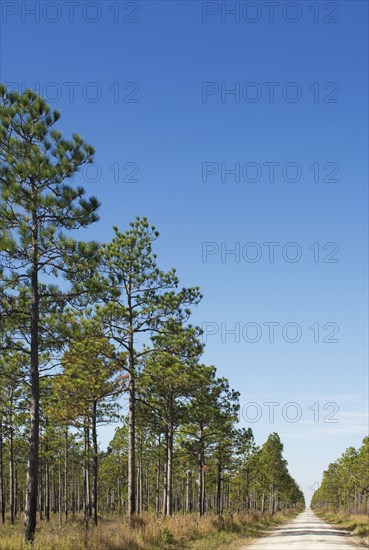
{"x":306,"y":532}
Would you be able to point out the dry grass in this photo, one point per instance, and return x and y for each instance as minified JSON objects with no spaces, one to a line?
{"x":357,"y":524}
{"x":150,"y":533}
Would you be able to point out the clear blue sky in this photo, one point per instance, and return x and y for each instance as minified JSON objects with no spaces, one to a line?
{"x":168,"y":123}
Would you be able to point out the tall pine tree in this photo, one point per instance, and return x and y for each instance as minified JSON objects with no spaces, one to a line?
{"x":36,"y":208}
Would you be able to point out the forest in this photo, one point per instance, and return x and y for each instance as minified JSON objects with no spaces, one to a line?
{"x":342,"y":498}
{"x":95,"y":334}
{"x":345,"y":484}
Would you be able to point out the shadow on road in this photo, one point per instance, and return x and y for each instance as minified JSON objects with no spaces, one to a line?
{"x":290,"y":532}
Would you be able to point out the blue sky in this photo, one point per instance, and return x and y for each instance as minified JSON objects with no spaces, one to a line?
{"x":145,"y":83}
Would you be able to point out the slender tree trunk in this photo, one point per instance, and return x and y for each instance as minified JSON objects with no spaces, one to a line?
{"x":203,"y":498}
{"x":32,"y":466}
{"x":95,"y":463}
{"x":119,"y":492}
{"x":78,"y":494}
{"x":89,"y":495}
{"x":11,"y":466}
{"x":188,"y":488}
{"x":193,"y":494}
{"x":40,"y":492}
{"x":182,"y":498}
{"x":157,"y":489}
{"x":140,"y":482}
{"x":165,"y":484}
{"x":16,"y":493}
{"x":131,"y":432}
{"x":223,"y":495}
{"x":66,"y":473}
{"x":148,"y":488}
{"x":86,"y":477}
{"x":53,"y":499}
{"x":2,"y":495}
{"x":170,"y":472}
{"x":131,"y":413}
{"x":219,"y":486}
{"x":73,"y":503}
{"x":122,"y":502}
{"x":201,"y":482}
{"x":47,"y":488}
{"x":271,"y":500}
{"x":60,"y":494}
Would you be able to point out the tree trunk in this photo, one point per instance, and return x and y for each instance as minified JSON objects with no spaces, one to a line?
{"x":86,"y":477}
{"x":95,"y":463}
{"x":203,"y":491}
{"x":165,"y":484}
{"x":140,"y":483}
{"x":66,"y":473}
{"x":131,"y":433}
{"x":73,"y":503}
{"x":53,"y":499}
{"x":201,"y":483}
{"x":60,"y":495}
{"x":157,"y":489}
{"x":271,"y":500}
{"x":40,"y":492}
{"x":188,"y":489}
{"x":170,"y":472}
{"x":2,"y":495}
{"x":32,"y":466}
{"x":119,"y":493}
{"x":47,"y":489}
{"x":227,"y":496}
{"x":223,"y":495}
{"x":11,"y":468}
{"x":219,"y":486}
{"x":78,"y":494}
{"x":16,"y":493}
{"x":148,"y":488}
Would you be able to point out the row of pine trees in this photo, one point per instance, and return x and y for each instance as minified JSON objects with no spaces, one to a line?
{"x":345,"y":484}
{"x":200,"y":463}
{"x":85,"y":325}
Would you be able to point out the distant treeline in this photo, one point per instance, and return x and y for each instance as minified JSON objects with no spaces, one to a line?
{"x":345,"y":484}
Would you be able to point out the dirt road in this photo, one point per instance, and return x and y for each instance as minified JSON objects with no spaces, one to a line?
{"x":306,"y":532}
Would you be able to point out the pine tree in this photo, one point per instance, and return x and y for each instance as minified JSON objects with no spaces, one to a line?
{"x":212,"y":405}
{"x":274,"y":466}
{"x":166,"y":386}
{"x":144,"y":298}
{"x":87,"y":388}
{"x":36,"y":207}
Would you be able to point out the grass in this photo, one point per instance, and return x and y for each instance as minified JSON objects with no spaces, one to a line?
{"x":356,"y":524}
{"x":180,"y":532}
